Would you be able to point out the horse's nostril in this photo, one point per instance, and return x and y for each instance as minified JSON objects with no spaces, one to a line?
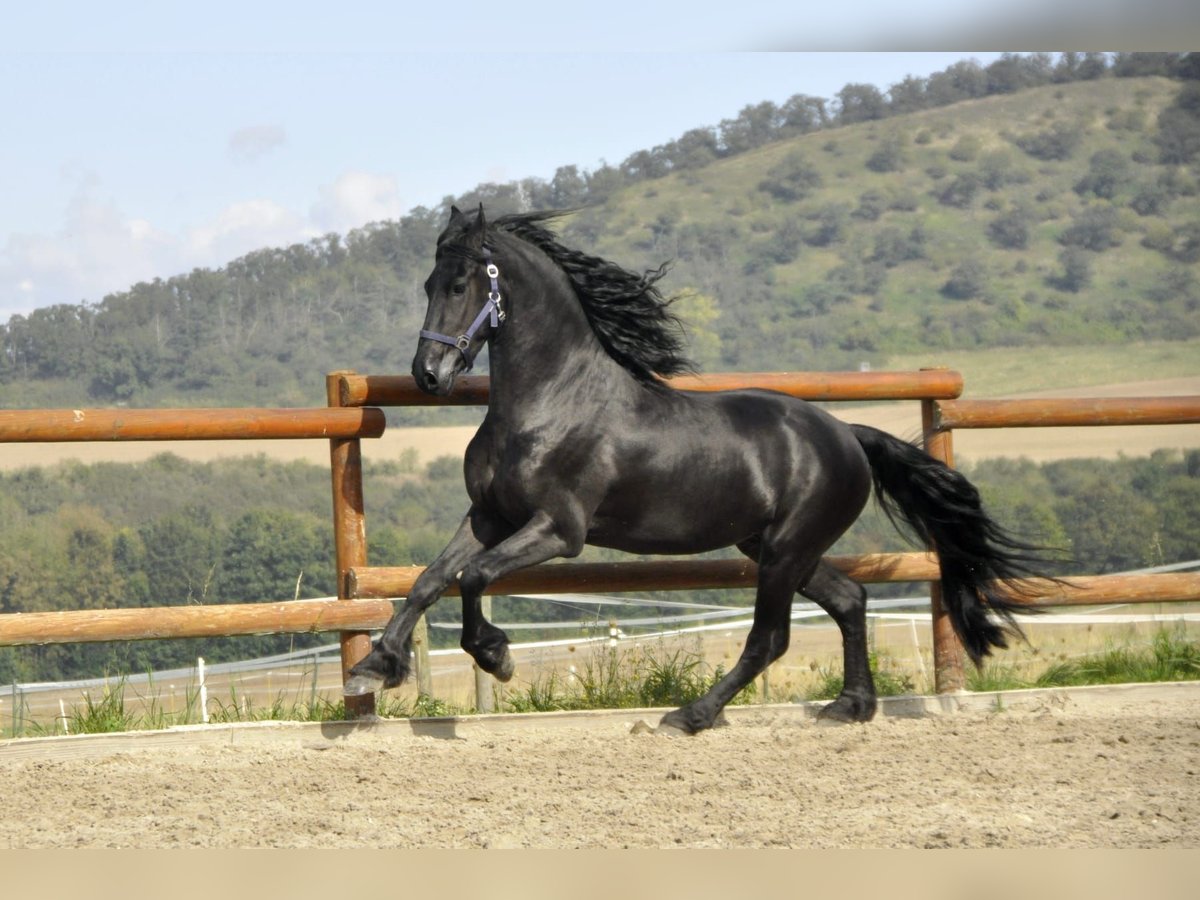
{"x":429,"y":380}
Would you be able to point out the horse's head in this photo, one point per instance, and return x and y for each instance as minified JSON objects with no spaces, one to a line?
{"x":464,"y":304}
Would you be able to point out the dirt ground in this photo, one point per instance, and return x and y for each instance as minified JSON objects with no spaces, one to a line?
{"x":1053,"y":770}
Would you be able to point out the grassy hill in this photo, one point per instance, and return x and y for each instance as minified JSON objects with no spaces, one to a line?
{"x":931,"y":230}
{"x":1049,"y":217}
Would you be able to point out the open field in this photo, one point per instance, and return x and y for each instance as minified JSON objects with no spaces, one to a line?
{"x":901,"y":418}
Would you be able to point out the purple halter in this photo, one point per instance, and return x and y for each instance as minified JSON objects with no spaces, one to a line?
{"x":491,"y":310}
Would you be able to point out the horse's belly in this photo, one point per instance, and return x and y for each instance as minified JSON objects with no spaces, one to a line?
{"x":673,"y":528}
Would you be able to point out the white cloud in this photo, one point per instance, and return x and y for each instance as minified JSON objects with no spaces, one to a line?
{"x":254,"y":141}
{"x":355,"y":199}
{"x":99,"y":249}
{"x":96,"y":251}
{"x":242,"y":227}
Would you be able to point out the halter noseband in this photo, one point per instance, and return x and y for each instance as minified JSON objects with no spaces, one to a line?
{"x":491,"y":310}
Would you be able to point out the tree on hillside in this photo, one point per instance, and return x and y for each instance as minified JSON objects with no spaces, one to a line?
{"x":754,"y":126}
{"x":963,"y":80}
{"x":860,"y":103}
{"x":568,"y":188}
{"x":908,"y":96}
{"x":1013,"y":72}
{"x":802,"y":113}
{"x":693,"y":149}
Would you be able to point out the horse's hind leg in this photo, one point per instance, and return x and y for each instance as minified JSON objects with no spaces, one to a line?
{"x":767,"y":641}
{"x":846,"y":602}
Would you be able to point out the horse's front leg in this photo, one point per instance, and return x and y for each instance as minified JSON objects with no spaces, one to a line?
{"x":541,"y":538}
{"x":387,"y":665}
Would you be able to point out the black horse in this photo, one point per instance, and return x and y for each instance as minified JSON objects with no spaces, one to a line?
{"x":584,"y":444}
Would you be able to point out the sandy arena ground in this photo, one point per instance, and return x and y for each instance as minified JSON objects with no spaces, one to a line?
{"x":1119,"y":768}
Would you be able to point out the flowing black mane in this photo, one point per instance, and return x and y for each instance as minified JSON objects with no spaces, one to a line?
{"x":628,"y":314}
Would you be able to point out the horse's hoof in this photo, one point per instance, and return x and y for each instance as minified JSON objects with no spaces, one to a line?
{"x":847,"y":710}
{"x":362,"y":684}
{"x":676,"y":723}
{"x":504,"y":672}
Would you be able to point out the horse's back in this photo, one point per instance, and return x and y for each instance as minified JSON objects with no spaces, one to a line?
{"x":697,"y":470}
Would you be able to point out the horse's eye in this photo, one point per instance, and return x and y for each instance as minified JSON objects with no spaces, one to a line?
{"x":458,"y":288}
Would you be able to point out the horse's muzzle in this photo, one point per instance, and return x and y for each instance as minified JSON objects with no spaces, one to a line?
{"x":434,"y":369}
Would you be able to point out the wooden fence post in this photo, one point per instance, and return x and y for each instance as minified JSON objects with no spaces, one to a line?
{"x":948,"y":676}
{"x":484,"y":699}
{"x":420,"y":647}
{"x":349,"y":539}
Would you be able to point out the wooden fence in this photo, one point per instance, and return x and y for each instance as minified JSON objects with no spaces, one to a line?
{"x":363,"y":603}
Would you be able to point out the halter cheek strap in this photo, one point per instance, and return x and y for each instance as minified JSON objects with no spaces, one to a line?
{"x":492,"y":310}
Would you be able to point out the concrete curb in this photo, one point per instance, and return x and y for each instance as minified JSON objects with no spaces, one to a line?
{"x":326,"y":735}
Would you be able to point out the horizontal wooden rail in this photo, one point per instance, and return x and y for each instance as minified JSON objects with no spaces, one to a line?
{"x":472,"y":390}
{"x":1086,"y":590}
{"x":1066,"y":412}
{"x":55,"y":425}
{"x":656,"y":575}
{"x":667,"y":575}
{"x":149,"y":623}
{"x":311,"y":616}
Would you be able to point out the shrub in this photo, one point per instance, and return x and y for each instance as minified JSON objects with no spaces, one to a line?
{"x":1151,"y":199}
{"x":889,"y":156}
{"x":832,"y":221}
{"x":1011,"y":230}
{"x":1058,"y":142}
{"x":792,"y":179}
{"x":966,"y":148}
{"x":967,"y":280}
{"x":1077,"y":270}
{"x":1108,"y":173}
{"x":961,"y":192}
{"x":871,"y":205}
{"x":1096,"y":228}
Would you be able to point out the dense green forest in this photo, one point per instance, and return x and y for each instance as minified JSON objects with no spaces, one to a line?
{"x":1037,"y":200}
{"x":171,"y":532}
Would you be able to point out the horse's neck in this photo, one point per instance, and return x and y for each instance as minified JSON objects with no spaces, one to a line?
{"x":546,"y":352}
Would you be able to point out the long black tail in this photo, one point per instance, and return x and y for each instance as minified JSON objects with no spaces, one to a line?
{"x":977,"y":556}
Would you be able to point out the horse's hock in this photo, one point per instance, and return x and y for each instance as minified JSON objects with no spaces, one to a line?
{"x":352,"y":414}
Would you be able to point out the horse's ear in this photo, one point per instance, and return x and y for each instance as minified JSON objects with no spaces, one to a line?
{"x":479,"y":226}
{"x":455,"y":214}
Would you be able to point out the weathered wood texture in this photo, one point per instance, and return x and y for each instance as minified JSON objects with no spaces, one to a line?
{"x":472,"y":390}
{"x":349,"y":535}
{"x":68,"y":425}
{"x":149,"y":623}
{"x":1067,"y":412}
{"x":654,"y":575}
{"x":363,"y":615}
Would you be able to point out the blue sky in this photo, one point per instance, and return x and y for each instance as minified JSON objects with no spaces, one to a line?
{"x":142,"y":140}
